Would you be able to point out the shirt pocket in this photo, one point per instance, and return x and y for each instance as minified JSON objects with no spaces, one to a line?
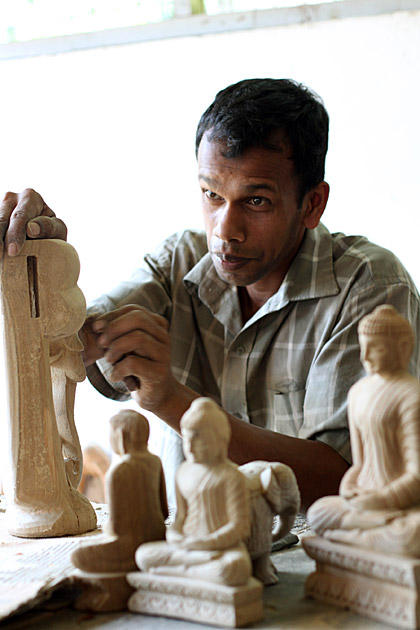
{"x":288,"y":411}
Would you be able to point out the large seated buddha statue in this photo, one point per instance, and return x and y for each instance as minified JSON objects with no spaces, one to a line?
{"x":378,"y":506}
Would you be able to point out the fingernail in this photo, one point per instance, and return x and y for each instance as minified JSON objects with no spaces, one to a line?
{"x":33,"y":229}
{"x":12,"y":249}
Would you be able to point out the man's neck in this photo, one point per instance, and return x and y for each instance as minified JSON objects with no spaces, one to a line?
{"x":251,"y":299}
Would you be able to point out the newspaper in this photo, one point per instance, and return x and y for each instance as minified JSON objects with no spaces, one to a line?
{"x":32,"y":569}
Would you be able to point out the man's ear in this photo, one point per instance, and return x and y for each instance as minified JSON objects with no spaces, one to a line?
{"x":314,"y":203}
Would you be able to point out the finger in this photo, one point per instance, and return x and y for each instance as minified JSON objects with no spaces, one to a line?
{"x":139,"y":319}
{"x":29,"y":205}
{"x":130,"y":309}
{"x":7,"y":205}
{"x":104,"y":318}
{"x":132,"y":382}
{"x":132,"y":366}
{"x":47,"y":227}
{"x":140,"y":344}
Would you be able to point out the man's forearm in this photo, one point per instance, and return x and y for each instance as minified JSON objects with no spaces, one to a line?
{"x":318,"y":468}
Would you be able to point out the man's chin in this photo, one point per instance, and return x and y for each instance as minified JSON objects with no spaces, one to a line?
{"x":236,"y":278}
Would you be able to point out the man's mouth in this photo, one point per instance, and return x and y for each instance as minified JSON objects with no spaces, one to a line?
{"x":229,"y":262}
{"x":231,"y":258}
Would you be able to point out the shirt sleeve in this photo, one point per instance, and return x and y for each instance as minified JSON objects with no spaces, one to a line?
{"x":148,"y":287}
{"x":337,"y":365}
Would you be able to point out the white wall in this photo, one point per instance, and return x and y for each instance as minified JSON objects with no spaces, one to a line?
{"x":107,"y":136}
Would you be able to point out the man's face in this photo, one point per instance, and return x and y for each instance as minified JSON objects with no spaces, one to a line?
{"x":201,"y":444}
{"x":253,"y":223}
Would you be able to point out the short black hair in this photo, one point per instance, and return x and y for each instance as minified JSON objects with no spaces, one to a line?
{"x":248,"y":113}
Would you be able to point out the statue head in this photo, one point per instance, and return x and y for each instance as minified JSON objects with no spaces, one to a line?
{"x":206,"y":432}
{"x":129,"y":432}
{"x":386,"y":340}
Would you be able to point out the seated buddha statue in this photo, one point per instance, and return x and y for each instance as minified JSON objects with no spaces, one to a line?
{"x":378,"y":506}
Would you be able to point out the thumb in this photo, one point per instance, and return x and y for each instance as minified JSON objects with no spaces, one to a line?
{"x":47,"y":227}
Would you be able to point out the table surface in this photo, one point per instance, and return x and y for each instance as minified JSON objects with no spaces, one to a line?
{"x":285,"y":605}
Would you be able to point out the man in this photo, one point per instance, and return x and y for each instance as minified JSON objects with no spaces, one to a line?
{"x":261,"y":313}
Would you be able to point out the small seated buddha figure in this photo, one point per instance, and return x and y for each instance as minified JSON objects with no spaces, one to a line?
{"x":135,"y":488}
{"x":378,"y":506}
{"x":212,"y":520}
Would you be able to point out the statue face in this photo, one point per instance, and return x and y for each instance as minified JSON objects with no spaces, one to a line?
{"x":379,"y":353}
{"x":201,"y":444}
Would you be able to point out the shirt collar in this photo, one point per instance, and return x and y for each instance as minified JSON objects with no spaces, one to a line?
{"x":311,"y":275}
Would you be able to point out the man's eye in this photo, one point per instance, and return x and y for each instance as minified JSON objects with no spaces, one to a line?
{"x":211,"y":195}
{"x":257,"y":201}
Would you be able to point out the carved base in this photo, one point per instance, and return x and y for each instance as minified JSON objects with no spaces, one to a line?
{"x":383,"y":587}
{"x":73,"y":514}
{"x":192,"y":600}
{"x":103,"y":592}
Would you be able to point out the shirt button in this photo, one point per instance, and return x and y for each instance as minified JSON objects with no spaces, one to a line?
{"x":240,"y":350}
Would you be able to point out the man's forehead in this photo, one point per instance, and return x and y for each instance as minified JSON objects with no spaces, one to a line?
{"x":276,"y":141}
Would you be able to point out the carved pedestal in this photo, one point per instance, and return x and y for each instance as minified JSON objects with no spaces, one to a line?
{"x":193,"y":600}
{"x":384,"y":587}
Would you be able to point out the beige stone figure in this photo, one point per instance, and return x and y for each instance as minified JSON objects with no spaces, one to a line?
{"x":43,"y":309}
{"x":378,"y":507}
{"x":67,"y":370}
{"x":273,"y":492}
{"x":135,"y":489}
{"x":136,"y":494}
{"x":203,"y":571}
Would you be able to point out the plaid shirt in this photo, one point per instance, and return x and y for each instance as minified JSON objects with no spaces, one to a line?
{"x":290,"y":366}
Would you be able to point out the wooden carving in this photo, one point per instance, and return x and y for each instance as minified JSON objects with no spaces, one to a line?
{"x":43,"y":309}
{"x":204,"y":558}
{"x":135,"y":489}
{"x":378,"y":507}
{"x":273,"y":492}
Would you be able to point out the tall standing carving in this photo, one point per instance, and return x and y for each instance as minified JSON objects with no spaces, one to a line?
{"x":42,"y":310}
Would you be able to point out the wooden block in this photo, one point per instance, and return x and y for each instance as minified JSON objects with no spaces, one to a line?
{"x":384,"y":587}
{"x":193,"y":600}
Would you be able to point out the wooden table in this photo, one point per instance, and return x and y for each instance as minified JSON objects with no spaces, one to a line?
{"x":285,"y":604}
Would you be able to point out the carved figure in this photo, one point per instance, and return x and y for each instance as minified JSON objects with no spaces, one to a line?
{"x":368,"y":548}
{"x":43,"y":309}
{"x":212,"y":518}
{"x":135,"y":488}
{"x":67,"y":370}
{"x":379,"y":503}
{"x":273,"y":491}
{"x":204,"y":558}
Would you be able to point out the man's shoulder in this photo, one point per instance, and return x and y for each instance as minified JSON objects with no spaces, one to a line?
{"x":192,"y":242}
{"x":369,"y":261}
{"x":182,"y":249}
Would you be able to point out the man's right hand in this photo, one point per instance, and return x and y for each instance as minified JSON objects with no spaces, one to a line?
{"x":24,"y":215}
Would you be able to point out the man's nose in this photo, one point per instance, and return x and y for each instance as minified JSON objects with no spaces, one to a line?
{"x":229,"y":224}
